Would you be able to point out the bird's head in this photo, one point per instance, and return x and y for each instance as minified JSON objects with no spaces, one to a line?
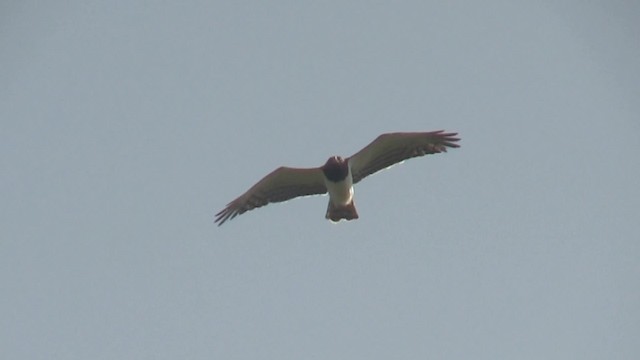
{"x":334,"y":160}
{"x":336,"y":168}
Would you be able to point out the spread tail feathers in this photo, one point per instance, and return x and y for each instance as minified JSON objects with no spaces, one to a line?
{"x":336,"y":213}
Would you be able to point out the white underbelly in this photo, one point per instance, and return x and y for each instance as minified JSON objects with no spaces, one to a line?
{"x":340,"y":193}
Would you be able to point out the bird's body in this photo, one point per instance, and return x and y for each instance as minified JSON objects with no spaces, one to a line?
{"x":341,"y":192}
{"x":339,"y":184}
{"x":337,"y":176}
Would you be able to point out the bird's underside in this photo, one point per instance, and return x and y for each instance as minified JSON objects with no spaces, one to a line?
{"x":338,"y":175}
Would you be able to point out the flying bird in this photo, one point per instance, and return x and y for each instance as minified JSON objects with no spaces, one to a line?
{"x":338,"y":175}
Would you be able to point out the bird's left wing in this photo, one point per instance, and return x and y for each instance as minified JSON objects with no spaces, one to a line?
{"x":282,"y":184}
{"x":392,"y":148}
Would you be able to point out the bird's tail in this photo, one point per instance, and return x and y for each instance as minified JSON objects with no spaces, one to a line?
{"x":337,"y":213}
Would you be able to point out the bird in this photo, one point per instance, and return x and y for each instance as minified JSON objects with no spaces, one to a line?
{"x":338,"y":175}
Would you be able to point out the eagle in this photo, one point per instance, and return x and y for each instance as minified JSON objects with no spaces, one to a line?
{"x":338,"y":175}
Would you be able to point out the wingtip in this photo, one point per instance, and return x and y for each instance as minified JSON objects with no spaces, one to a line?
{"x":218,"y":220}
{"x":451,"y":138}
{"x":222,"y":216}
{"x":225,"y":215}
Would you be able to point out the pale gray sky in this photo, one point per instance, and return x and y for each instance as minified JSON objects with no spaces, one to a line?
{"x":126,"y":125}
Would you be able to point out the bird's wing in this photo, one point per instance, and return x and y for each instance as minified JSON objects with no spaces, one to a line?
{"x":282,"y":184}
{"x":392,"y":148}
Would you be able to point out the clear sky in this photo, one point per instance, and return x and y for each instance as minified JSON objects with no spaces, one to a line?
{"x":126,"y":125}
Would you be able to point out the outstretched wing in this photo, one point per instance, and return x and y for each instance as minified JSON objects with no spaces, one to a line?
{"x":282,"y":184}
{"x":392,"y":148}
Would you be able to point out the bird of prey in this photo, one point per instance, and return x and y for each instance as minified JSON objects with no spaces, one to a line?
{"x":338,"y":175}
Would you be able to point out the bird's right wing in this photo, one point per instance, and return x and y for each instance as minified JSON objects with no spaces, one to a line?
{"x":282,"y":184}
{"x":391,"y":148}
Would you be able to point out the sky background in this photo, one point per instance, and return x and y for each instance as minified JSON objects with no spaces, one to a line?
{"x":126,"y":125}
